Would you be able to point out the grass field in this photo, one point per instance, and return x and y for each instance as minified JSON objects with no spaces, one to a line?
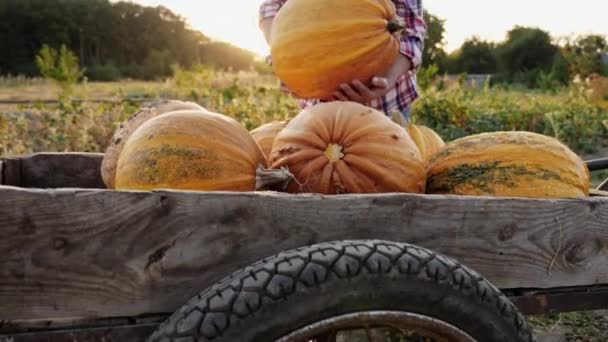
{"x":575,"y":115}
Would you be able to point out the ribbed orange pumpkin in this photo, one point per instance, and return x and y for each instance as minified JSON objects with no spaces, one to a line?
{"x":265,"y":135}
{"x":126,"y":128}
{"x":513,"y":164}
{"x":345,"y":147}
{"x":190,"y":150}
{"x":427,"y":140}
{"x":318,"y":44}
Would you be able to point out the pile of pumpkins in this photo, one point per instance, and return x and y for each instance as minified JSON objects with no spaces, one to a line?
{"x":333,"y":147}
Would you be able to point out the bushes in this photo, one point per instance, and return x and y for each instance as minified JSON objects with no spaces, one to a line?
{"x":60,"y":65}
{"x":104,"y":72}
{"x":568,"y":115}
{"x":157,"y":65}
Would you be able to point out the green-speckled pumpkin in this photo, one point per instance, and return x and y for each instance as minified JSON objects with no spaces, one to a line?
{"x":189,"y":150}
{"x":513,"y":164}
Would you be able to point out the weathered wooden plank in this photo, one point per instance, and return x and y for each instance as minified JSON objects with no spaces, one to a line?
{"x":99,"y":253}
{"x":75,"y":323}
{"x":61,"y":170}
{"x":11,"y":171}
{"x":130,"y":333}
{"x":598,"y":193}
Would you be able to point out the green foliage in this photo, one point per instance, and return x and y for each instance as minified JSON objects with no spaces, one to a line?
{"x":157,"y":65}
{"x":560,"y":69}
{"x":568,"y":116}
{"x":104,"y":72}
{"x":547,"y":81}
{"x":425,"y":76}
{"x":475,"y":56}
{"x":61,"y":66}
{"x":584,"y":54}
{"x":433,"y":52}
{"x":527,"y":49}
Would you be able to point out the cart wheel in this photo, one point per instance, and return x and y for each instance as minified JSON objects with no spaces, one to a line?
{"x":349,"y":291}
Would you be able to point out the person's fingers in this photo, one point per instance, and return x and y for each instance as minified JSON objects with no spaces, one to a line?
{"x":351,"y":93}
{"x":365,"y":92}
{"x":339,"y":96}
{"x":380,"y":82}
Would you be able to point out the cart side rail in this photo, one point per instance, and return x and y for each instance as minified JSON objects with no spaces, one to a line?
{"x":96,"y":253}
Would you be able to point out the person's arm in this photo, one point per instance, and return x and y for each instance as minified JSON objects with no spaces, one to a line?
{"x":268,"y":9}
{"x":411,"y":44}
{"x":411,"y":41}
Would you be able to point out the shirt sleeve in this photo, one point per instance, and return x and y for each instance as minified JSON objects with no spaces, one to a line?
{"x":411,"y":42}
{"x":269,"y":8}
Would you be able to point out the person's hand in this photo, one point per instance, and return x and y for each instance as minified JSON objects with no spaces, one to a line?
{"x":359,"y":92}
{"x":380,"y":85}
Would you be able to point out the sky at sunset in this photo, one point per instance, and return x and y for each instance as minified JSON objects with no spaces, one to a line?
{"x":235,"y":21}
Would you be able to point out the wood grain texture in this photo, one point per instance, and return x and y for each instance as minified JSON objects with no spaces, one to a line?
{"x":96,"y":253}
{"x":57,"y":170}
{"x":130,"y":333}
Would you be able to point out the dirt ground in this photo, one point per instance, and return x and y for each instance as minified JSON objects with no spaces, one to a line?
{"x":589,"y":326}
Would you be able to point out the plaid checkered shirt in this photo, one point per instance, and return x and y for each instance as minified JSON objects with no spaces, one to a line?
{"x":411,"y":43}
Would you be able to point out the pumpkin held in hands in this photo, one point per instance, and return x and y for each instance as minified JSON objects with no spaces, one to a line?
{"x":513,"y":164}
{"x":316,"y":45}
{"x":345,"y":147}
{"x":190,"y":150}
{"x":265,"y":135}
{"x":145,"y":113}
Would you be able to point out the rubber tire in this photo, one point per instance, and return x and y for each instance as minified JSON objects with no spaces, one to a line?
{"x":283,"y":293}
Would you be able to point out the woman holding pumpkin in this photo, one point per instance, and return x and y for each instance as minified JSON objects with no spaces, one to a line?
{"x":394,"y":89}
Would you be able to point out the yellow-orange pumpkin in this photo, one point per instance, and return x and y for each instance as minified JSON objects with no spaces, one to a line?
{"x":427,"y":140}
{"x":265,"y":135}
{"x":190,"y":150}
{"x":318,"y":44}
{"x":124,"y":131}
{"x":345,"y":147}
{"x":514,"y":164}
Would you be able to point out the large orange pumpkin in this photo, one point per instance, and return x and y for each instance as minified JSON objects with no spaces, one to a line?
{"x":345,"y":147}
{"x":514,"y":164}
{"x":190,"y":150}
{"x":126,"y":128}
{"x":265,"y":135}
{"x":318,"y":44}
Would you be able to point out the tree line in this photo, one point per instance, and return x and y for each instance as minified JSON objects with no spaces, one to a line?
{"x":114,"y":40}
{"x":111,"y":39}
{"x":528,"y":56}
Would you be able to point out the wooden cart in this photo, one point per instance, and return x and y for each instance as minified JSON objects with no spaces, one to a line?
{"x":82,"y":263}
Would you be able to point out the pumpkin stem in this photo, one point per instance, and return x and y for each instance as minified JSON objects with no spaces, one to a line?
{"x":272,"y":179}
{"x":395,"y":25}
{"x":334,"y":152}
